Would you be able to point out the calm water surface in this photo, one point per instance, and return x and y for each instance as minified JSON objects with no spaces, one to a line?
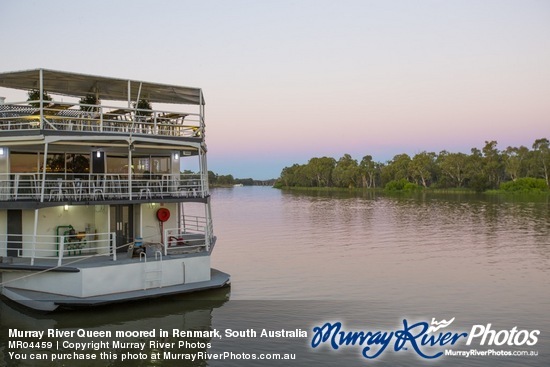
{"x":300,"y":259}
{"x":448,"y":250}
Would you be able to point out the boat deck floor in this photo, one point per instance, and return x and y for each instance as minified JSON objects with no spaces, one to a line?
{"x":73,"y":264}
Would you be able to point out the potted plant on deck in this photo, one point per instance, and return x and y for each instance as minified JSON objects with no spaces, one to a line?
{"x":89,"y":103}
{"x":34,"y":98}
{"x":141,"y":106}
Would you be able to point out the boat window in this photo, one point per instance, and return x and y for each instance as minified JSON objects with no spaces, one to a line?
{"x":24,"y":162}
{"x":151,"y":165}
{"x":117,"y":164}
{"x":77,"y":163}
{"x":160,"y":165}
{"x":55,"y":163}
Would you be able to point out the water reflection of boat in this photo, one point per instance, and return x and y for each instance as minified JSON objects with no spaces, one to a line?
{"x":183,"y":312}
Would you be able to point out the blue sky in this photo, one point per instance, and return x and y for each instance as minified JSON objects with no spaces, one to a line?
{"x":286,"y":81}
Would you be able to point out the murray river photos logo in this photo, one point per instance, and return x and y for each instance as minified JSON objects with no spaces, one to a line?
{"x":427,"y":340}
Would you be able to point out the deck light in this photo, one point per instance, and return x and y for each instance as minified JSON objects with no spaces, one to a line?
{"x":66,"y":207}
{"x":98,"y":154}
{"x":176,"y":156}
{"x":1,"y":151}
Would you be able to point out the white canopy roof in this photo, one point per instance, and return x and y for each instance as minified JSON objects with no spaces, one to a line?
{"x":79,"y":85}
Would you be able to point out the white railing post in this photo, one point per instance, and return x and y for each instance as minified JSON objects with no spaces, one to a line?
{"x":33,"y":249}
{"x":61,"y":249}
{"x":206,"y":239}
{"x":41,"y":89}
{"x":113,"y":244}
{"x":166,"y":242}
{"x":101,"y":118}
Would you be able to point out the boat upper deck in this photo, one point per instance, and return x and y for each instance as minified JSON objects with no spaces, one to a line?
{"x":75,"y":104}
{"x":80,"y":119}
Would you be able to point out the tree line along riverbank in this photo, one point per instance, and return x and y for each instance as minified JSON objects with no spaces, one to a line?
{"x":514,"y":169}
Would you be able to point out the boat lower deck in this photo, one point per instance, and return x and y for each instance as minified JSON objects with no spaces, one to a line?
{"x":45,"y":284}
{"x":88,"y":260}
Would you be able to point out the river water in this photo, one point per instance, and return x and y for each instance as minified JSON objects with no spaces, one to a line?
{"x":371,"y":262}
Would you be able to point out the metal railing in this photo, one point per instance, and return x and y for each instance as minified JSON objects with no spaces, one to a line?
{"x":83,"y":118}
{"x":60,"y":247}
{"x":195,"y":235}
{"x":76,"y":187}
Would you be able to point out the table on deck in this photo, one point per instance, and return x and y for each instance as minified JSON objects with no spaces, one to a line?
{"x":170,"y":123}
{"x":118,"y":119}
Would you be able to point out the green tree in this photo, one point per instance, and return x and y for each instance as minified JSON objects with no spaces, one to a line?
{"x":245,"y":181}
{"x":482,"y":169}
{"x":320,"y":170}
{"x":541,"y":150}
{"x":492,"y":164}
{"x":370,"y":170}
{"x":295,"y":176}
{"x":346,"y":173}
{"x":212,"y":177}
{"x":514,"y":161}
{"x":226,"y":180}
{"x":422,"y":167}
{"x":397,"y":168}
{"x":477,"y":179}
{"x":453,"y":166}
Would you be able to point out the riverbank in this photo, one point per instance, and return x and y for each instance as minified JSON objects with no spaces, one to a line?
{"x":534,"y":195}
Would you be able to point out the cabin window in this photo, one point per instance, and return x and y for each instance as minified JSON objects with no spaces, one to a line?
{"x":55,"y":162}
{"x":141,"y":165}
{"x":24,"y":162}
{"x":67,"y":163}
{"x":117,"y":164}
{"x":151,"y":165}
{"x":160,"y":165}
{"x":77,"y":163}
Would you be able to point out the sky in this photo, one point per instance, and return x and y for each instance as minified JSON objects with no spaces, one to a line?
{"x":286,"y":81}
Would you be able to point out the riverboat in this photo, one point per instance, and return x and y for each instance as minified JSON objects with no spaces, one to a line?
{"x":104,"y":192}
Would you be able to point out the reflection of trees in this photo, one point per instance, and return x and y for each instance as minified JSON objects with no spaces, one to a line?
{"x":56,"y":163}
{"x":75,"y":163}
{"x":78,"y":163}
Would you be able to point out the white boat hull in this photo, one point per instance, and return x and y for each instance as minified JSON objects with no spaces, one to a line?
{"x":47,"y":301}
